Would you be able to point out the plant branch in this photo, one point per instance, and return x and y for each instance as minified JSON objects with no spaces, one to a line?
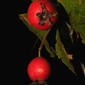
{"x":70,"y":29}
{"x":83,"y":68}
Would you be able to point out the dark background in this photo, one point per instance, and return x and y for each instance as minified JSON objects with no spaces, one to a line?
{"x":26,"y":40}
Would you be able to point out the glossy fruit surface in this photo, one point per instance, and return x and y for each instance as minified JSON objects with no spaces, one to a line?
{"x":38,"y":69}
{"x":41,"y":14}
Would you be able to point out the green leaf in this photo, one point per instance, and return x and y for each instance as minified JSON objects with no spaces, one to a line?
{"x":39,"y":33}
{"x":76,"y":11}
{"x":61,"y":52}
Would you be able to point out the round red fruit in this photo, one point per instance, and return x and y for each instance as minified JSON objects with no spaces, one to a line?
{"x":41,"y":14}
{"x":38,"y":69}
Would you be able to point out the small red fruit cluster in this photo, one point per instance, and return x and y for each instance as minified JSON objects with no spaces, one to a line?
{"x":38,"y":69}
{"x":41,"y":14}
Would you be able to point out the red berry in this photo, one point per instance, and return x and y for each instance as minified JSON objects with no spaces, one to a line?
{"x":41,"y":14}
{"x":38,"y":69}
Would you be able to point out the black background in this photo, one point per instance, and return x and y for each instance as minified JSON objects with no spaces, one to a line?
{"x":26,"y":50}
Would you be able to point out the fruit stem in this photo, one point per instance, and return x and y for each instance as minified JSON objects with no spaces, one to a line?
{"x":42,"y":42}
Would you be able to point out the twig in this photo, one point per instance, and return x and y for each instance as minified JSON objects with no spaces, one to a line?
{"x":83,"y":68}
{"x":70,"y":29}
{"x":42,"y":42}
